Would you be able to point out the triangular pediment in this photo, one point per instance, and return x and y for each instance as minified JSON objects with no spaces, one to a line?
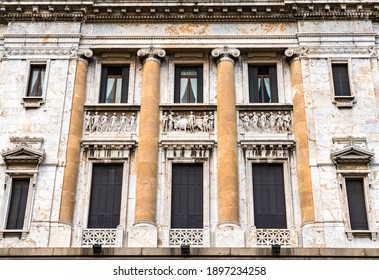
{"x":352,"y":155}
{"x":23,"y":154}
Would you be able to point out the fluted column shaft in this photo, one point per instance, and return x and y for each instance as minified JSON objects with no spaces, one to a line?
{"x":302,"y":149}
{"x":70,"y":176}
{"x":147,"y":157}
{"x":227,"y":157}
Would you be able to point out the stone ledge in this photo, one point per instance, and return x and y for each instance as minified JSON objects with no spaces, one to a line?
{"x":196,"y":253}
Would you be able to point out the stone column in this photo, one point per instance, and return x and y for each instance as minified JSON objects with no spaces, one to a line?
{"x":301,"y":138}
{"x":228,"y":233}
{"x":144,"y":232}
{"x":70,"y":177}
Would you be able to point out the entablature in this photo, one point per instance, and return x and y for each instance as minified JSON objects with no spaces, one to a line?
{"x":118,"y":11}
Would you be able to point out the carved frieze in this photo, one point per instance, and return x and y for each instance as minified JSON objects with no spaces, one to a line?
{"x":267,"y":150}
{"x":191,"y":150}
{"x":188,"y":122}
{"x":321,"y":51}
{"x":108,"y":150}
{"x":62,"y":52}
{"x":110,"y":122}
{"x":265,"y":122}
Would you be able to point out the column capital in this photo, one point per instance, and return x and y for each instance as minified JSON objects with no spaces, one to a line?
{"x":225,"y":53}
{"x":151,"y":53}
{"x":81,"y":53}
{"x":295,"y":53}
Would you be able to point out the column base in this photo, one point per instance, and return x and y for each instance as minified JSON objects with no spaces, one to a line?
{"x":312,"y":235}
{"x":229,"y":235}
{"x":60,"y":234}
{"x":143,"y":235}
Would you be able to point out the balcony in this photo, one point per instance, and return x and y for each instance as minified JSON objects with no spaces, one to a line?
{"x":111,"y":237}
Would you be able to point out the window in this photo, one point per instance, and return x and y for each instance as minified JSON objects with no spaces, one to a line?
{"x":356,"y":203}
{"x":268,"y":196}
{"x":188,"y":84}
{"x":114,"y":84}
{"x":263,"y":86}
{"x":187,"y":196}
{"x":105,"y":200}
{"x":36,"y":80}
{"x":341,"y":80}
{"x":18,"y":202}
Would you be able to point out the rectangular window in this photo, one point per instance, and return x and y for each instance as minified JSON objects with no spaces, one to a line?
{"x":263,"y":85}
{"x":269,"y":198}
{"x":187,"y":196}
{"x":105,"y":201}
{"x":188,"y":84}
{"x":356,"y":203}
{"x":114,"y":84}
{"x":341,"y":79}
{"x":36,"y":80}
{"x":18,"y":201}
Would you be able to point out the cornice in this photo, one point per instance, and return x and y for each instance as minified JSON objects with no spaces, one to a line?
{"x":173,"y":11}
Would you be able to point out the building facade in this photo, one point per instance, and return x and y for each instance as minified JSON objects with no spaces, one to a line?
{"x":219,"y":124}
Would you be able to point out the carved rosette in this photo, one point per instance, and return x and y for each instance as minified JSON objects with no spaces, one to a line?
{"x":151,"y":53}
{"x":225,"y":53}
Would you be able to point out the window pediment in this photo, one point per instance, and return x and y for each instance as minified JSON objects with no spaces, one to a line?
{"x":23,"y":155}
{"x":352,"y":155}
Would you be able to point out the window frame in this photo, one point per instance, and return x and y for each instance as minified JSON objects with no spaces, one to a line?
{"x":263,"y":59}
{"x":124,"y":190}
{"x":288,"y":192}
{"x":274,"y":95}
{"x":31,"y":176}
{"x":345,"y":101}
{"x":90,"y":194}
{"x":370,"y":216}
{"x":200,"y":82}
{"x":35,"y":101}
{"x":124,"y":98}
{"x":164,"y":211}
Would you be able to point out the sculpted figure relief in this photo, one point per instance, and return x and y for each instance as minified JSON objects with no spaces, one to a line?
{"x":117,"y":123}
{"x":269,"y":122}
{"x":188,"y":122}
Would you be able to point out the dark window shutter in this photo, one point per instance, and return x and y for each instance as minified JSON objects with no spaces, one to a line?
{"x":187,"y":196}
{"x":125,"y":84}
{"x":200,"y":77}
{"x":273,"y":84}
{"x":269,"y":199}
{"x":103,"y":84}
{"x":357,"y":205}
{"x":253,"y":84}
{"x":341,"y":80}
{"x":17,"y":207}
{"x":105,"y":201}
{"x":177,"y":84}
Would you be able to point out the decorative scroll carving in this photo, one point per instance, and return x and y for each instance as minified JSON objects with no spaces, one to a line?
{"x":174,"y":122}
{"x":107,"y":123}
{"x":296,"y":52}
{"x":186,"y":236}
{"x":225,"y":52}
{"x":266,"y":122}
{"x":105,"y":237}
{"x":151,"y":53}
